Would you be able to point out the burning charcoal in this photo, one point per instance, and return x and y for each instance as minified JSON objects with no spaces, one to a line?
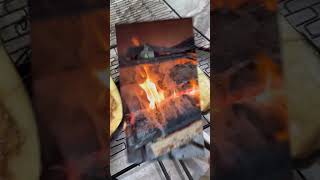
{"x":143,"y":137}
{"x":181,"y":73}
{"x":243,"y":77}
{"x":158,"y":79}
{"x":135,"y":104}
{"x":251,"y":134}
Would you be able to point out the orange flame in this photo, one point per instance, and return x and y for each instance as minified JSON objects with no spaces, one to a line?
{"x":153,"y":95}
{"x":159,"y":98}
{"x":135,"y":41}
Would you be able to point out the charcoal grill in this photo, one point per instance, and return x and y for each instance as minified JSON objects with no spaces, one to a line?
{"x":139,"y":11}
{"x":15,"y":37}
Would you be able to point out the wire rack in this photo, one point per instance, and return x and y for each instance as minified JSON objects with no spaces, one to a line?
{"x":15,"y":37}
{"x":129,"y":11}
{"x":304,"y":16}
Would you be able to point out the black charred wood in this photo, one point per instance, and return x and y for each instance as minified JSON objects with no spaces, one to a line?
{"x":182,"y":73}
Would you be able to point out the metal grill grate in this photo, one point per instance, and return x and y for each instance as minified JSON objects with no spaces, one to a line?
{"x":15,"y":34}
{"x":15,"y":37}
{"x":129,"y":11}
{"x":304,"y":16}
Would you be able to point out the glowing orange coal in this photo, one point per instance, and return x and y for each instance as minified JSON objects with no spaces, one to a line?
{"x":135,"y":41}
{"x":153,"y":95}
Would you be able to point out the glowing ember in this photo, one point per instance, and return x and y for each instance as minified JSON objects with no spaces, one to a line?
{"x":135,"y":41}
{"x":156,"y":97}
{"x":152,"y":93}
{"x":174,"y":94}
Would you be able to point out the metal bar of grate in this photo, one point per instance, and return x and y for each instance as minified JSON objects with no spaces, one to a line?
{"x":125,"y":170}
{"x":186,"y":170}
{"x":164,"y":170}
{"x":301,"y":175}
